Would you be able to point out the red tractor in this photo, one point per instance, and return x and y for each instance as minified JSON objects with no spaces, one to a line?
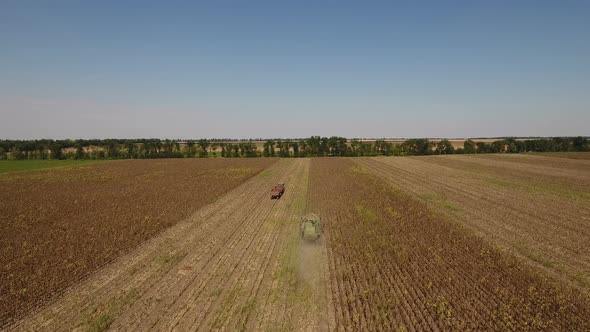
{"x":277,"y":191}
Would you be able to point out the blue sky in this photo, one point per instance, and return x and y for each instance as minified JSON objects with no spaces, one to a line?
{"x":246,"y":69}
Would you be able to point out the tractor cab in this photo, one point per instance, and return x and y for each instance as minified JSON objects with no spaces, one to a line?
{"x":277,"y":191}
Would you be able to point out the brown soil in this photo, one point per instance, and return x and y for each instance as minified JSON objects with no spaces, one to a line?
{"x":394,"y":265}
{"x":387,"y":260}
{"x":232,"y":265}
{"x":567,"y":155}
{"x":536,"y":207}
{"x":58,"y":226}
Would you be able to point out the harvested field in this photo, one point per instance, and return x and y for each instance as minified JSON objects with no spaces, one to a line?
{"x":568,"y":155}
{"x":394,"y":265}
{"x":536,"y":207}
{"x":58,"y":226}
{"x":234,"y":264}
{"x":27,"y":165}
{"x":409,"y":244}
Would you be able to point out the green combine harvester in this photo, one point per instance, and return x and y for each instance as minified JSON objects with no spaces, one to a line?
{"x":311,"y":228}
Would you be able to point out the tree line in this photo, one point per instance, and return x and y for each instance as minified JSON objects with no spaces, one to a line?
{"x":314,"y":146}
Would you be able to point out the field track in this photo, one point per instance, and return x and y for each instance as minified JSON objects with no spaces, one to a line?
{"x":232,"y":265}
{"x":536,"y":207}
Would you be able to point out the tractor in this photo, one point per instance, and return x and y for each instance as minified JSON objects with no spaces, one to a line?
{"x":277,"y":191}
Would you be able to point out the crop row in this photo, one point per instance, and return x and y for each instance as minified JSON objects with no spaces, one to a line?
{"x":396,"y":265}
{"x":59,"y":226}
{"x":537,"y":213}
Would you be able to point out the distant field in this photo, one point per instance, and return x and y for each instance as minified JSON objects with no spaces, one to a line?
{"x":568,"y":155}
{"x":27,"y":165}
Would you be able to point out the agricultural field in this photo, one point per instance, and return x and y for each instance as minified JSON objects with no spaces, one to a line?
{"x":491,"y":242}
{"x":234,"y":263}
{"x":568,"y":155}
{"x":396,"y":265}
{"x":27,"y":165}
{"x":535,"y":207}
{"x":57,"y":226}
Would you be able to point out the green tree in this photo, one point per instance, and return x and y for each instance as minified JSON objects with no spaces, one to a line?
{"x":295,"y":147}
{"x":303,"y":149}
{"x":283,"y":149}
{"x":498,"y":146}
{"x":214,"y":147}
{"x":324,"y":147}
{"x":190,"y":149}
{"x":415,"y":146}
{"x":383,"y":147}
{"x":203,"y":145}
{"x":444,"y":147}
{"x":223,"y":147}
{"x":366,"y":149}
{"x":355,"y":147}
{"x":56,"y":152}
{"x":79,"y":152}
{"x":268,"y":148}
{"x":580,"y":144}
{"x":387,"y":148}
{"x":131,"y":149}
{"x":313,"y":145}
{"x":482,"y":147}
{"x":112,"y":150}
{"x":469,"y":146}
{"x":41,"y":152}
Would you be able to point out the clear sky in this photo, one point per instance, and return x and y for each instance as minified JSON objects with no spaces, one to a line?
{"x":246,"y":69}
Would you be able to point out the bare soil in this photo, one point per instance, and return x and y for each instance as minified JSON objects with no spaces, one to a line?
{"x":58,"y":226}
{"x":567,"y":155}
{"x":410,"y":244}
{"x":536,"y":207}
{"x":234,"y":264}
{"x":396,"y":265}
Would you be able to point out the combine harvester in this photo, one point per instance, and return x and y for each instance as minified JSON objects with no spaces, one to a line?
{"x":311,"y":228}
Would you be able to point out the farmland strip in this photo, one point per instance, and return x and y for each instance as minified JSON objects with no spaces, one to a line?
{"x":211,"y":271}
{"x":398,"y":266}
{"x":67,"y":223}
{"x":546,"y":232}
{"x":136,"y":272}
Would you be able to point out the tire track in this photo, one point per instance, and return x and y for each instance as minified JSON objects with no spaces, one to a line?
{"x":235,"y":315}
{"x":171,"y":303}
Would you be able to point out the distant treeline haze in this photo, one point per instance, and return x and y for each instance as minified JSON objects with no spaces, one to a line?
{"x":314,"y":146}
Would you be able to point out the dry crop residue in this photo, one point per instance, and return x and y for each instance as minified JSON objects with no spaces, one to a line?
{"x":567,"y":155}
{"x":536,"y":207}
{"x":396,"y":266}
{"x":226,"y":267}
{"x":58,"y":226}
